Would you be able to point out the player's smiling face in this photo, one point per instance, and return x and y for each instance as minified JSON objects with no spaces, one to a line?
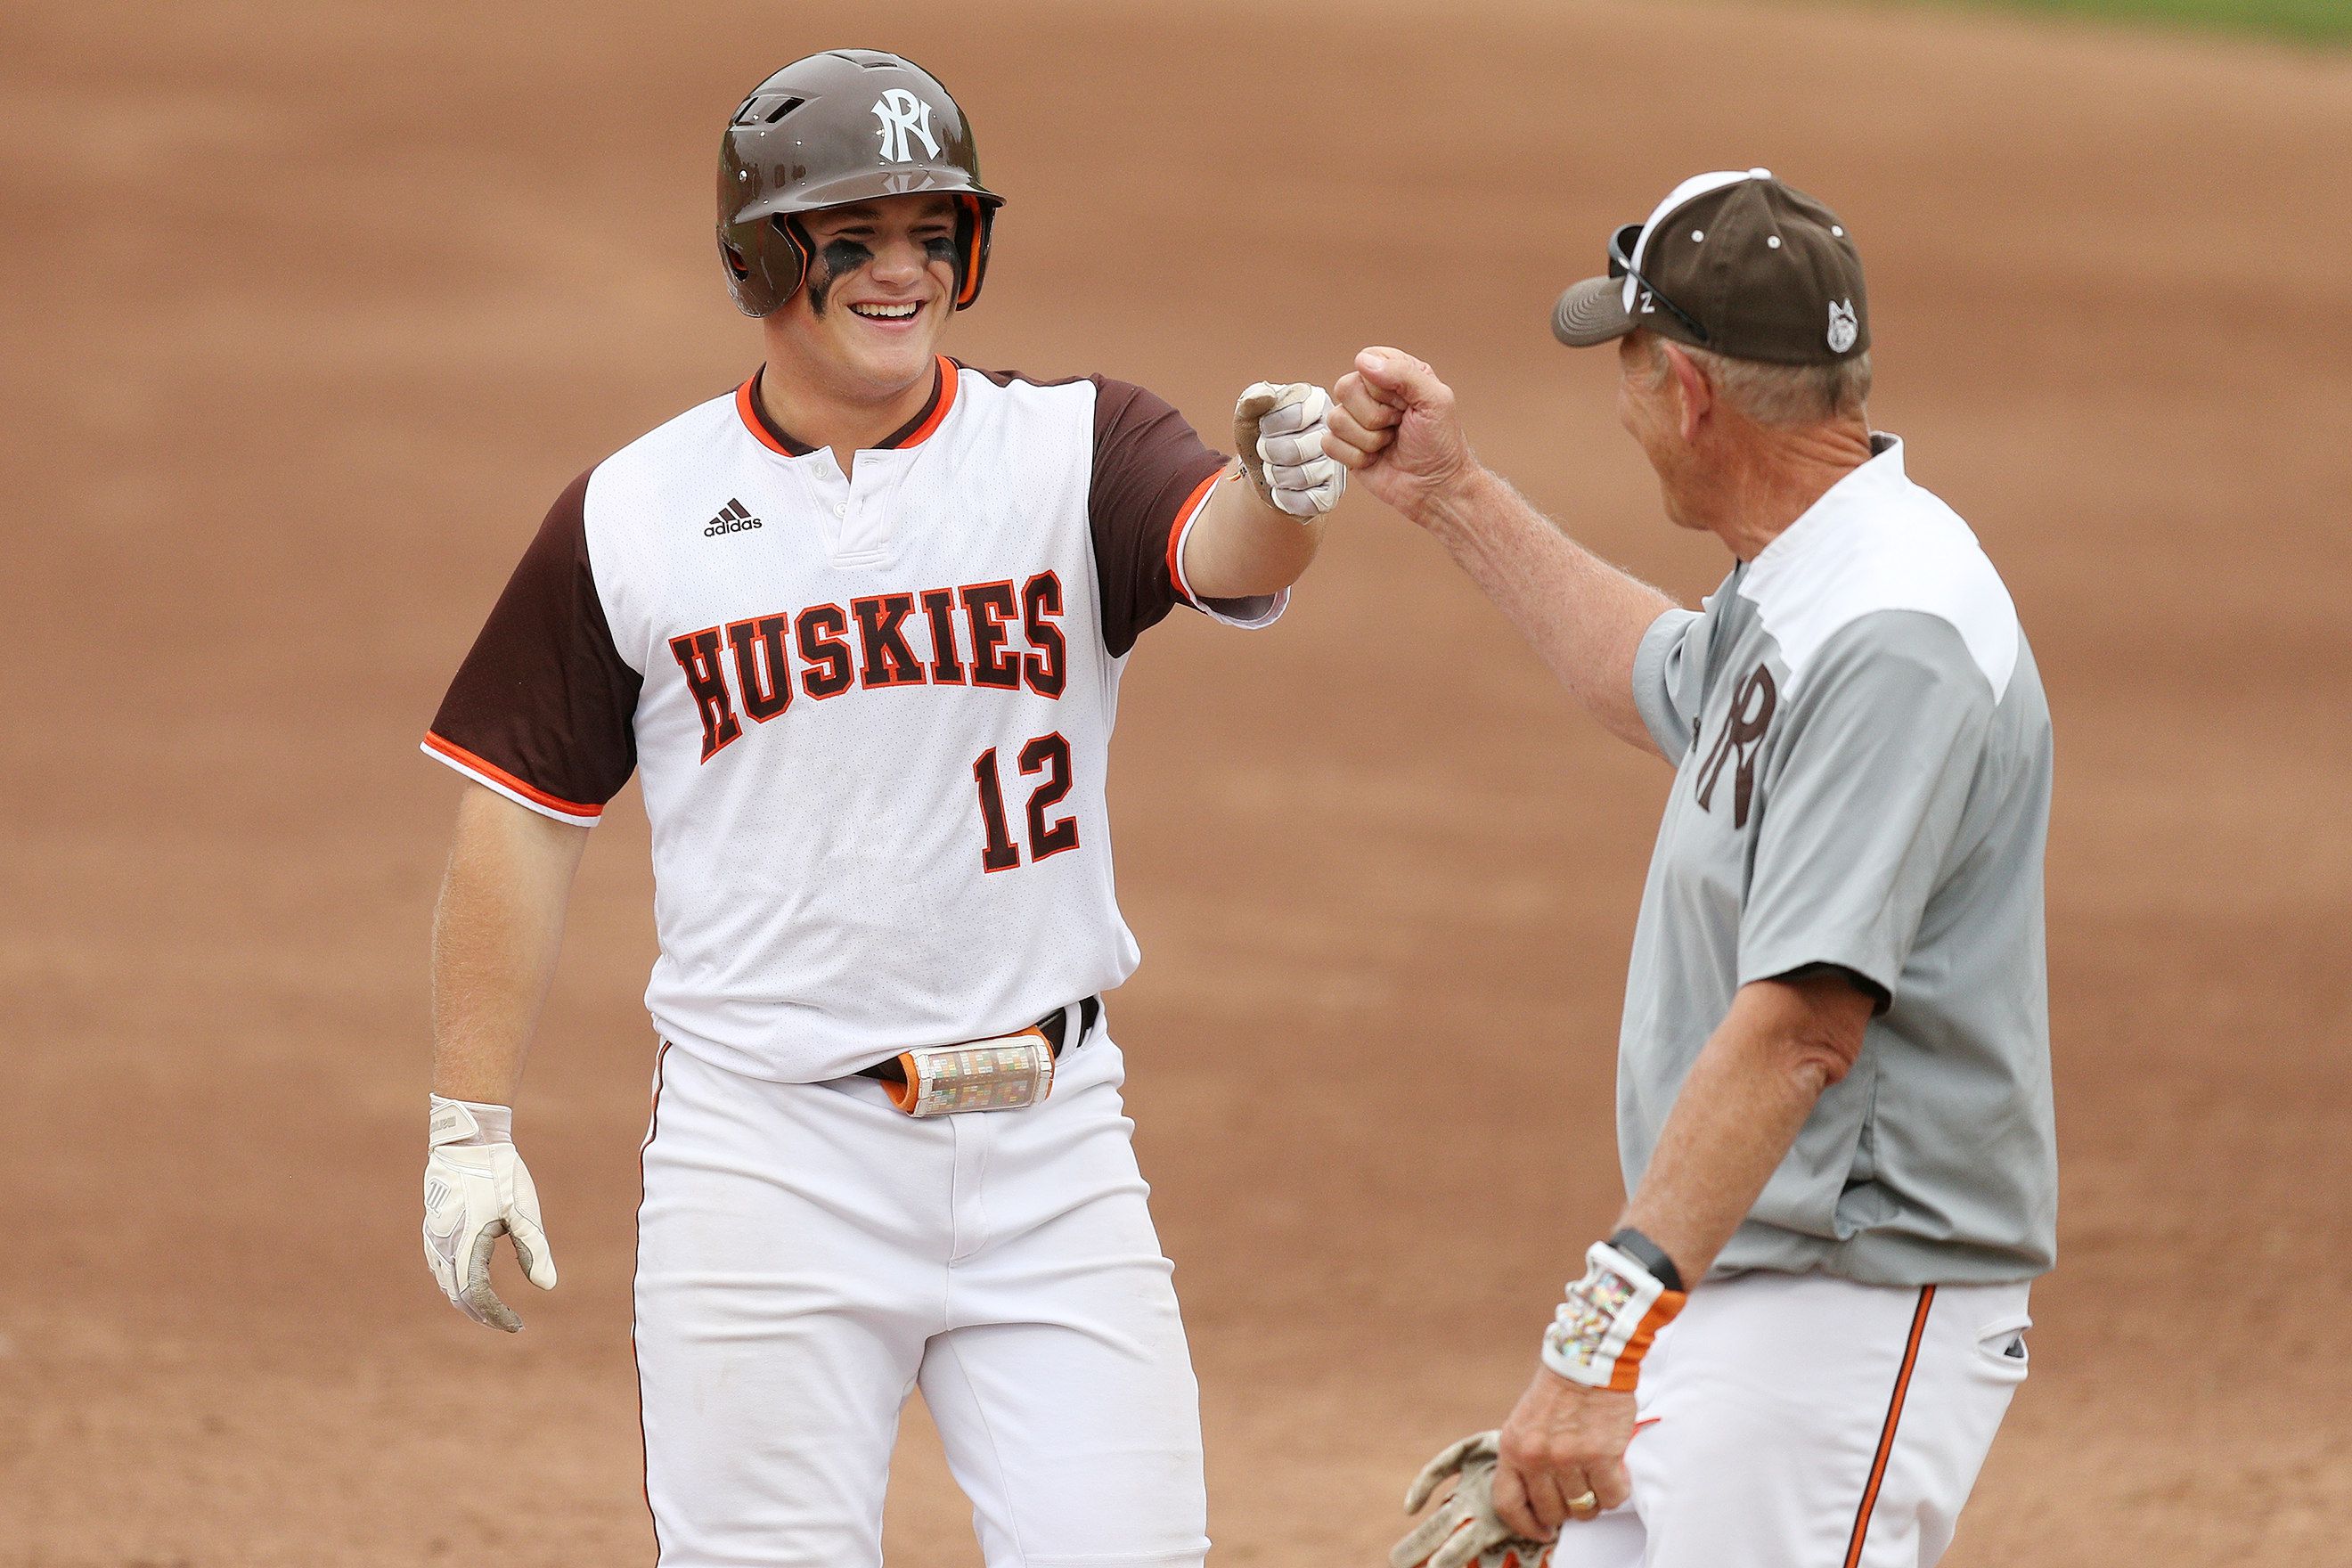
{"x":881,"y":286}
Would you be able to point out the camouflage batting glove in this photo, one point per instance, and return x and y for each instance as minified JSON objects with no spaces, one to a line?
{"x":476,"y":1189}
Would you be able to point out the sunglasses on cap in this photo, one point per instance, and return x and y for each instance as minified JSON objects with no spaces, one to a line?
{"x":1620,"y":265}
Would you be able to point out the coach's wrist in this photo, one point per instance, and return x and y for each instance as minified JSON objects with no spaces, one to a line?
{"x":1459,"y":506}
{"x":1638,"y":1246}
{"x":1602,"y":1332}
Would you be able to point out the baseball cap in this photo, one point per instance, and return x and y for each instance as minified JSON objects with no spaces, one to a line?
{"x":1736,"y":262}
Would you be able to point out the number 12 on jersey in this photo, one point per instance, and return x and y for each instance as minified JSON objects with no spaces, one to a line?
{"x":1047,"y":754}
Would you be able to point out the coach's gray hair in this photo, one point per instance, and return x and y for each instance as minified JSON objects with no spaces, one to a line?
{"x":1778,"y":395}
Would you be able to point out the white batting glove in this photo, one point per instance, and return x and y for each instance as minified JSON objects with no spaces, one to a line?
{"x":1278,"y":431}
{"x":1465,"y":1530}
{"x":478,"y":1189}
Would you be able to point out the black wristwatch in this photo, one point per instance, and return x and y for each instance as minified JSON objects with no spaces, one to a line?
{"x":1650,"y":1255}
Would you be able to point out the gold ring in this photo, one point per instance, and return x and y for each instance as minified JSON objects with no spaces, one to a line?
{"x":1586,"y":1500}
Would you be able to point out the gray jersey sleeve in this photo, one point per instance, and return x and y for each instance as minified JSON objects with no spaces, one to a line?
{"x":1667,"y":686}
{"x":1866,"y":787}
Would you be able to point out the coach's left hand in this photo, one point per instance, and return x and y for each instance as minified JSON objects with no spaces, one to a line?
{"x":1562,"y":1442}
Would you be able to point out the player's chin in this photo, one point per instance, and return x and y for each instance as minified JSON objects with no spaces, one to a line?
{"x":892,"y":349}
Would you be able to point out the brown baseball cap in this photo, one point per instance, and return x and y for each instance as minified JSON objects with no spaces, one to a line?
{"x":1736,"y":262}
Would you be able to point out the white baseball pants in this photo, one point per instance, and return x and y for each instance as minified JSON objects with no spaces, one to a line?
{"x":1800,"y":1421}
{"x":808,"y":1255}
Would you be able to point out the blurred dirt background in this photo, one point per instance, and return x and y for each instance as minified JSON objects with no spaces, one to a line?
{"x":313,"y":309}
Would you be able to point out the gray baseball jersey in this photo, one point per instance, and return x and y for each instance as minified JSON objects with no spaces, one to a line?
{"x":1862,"y":782}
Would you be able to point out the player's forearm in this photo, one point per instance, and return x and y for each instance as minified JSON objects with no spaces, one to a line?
{"x":1747,"y":1097}
{"x":1583,"y":617}
{"x":1240,"y":547}
{"x":495,"y":933}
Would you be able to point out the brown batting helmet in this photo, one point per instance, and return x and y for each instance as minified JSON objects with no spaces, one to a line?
{"x":848,"y":125}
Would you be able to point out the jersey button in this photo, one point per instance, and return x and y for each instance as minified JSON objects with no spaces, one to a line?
{"x":840,"y":509}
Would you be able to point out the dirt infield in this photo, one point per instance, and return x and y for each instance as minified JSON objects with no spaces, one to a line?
{"x":318,"y":307}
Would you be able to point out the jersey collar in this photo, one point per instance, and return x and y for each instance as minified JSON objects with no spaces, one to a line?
{"x":913,"y":433}
{"x":1865,"y":486}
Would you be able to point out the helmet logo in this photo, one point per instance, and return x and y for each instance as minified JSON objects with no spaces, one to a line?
{"x":903,"y":114}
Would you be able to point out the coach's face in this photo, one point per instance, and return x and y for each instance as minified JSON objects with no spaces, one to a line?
{"x":881,"y":285}
{"x":1654,"y":406}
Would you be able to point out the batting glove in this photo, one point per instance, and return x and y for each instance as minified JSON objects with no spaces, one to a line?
{"x":478,"y":1189}
{"x":1278,"y":430}
{"x":1465,"y":1529}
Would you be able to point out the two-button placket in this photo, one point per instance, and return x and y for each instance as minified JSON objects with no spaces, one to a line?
{"x":859,"y":531}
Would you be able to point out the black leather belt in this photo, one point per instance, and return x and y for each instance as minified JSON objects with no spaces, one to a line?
{"x":1052,"y":1026}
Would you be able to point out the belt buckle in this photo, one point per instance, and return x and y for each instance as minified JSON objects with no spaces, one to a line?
{"x":1004,"y":1073}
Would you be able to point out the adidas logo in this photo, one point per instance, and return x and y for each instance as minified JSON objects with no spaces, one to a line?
{"x":732,"y":517}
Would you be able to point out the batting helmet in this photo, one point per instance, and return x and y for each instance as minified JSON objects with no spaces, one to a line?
{"x":848,"y":125}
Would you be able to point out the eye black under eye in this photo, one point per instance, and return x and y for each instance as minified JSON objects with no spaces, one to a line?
{"x":942,"y":246}
{"x":844,"y":256}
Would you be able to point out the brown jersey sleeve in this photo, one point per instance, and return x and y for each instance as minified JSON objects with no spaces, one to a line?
{"x":1151,"y":471}
{"x":544,"y":706}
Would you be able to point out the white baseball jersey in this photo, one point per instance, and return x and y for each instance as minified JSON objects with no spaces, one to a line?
{"x":872,"y":713}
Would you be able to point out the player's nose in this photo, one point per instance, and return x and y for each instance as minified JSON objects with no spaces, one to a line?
{"x":897,"y":262}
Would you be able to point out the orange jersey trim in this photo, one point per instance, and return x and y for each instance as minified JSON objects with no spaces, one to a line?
{"x":530,"y":792}
{"x":754,"y":424}
{"x":1176,"y":535}
{"x":949,"y":377}
{"x":747,"y":410}
{"x":1887,"y":1433}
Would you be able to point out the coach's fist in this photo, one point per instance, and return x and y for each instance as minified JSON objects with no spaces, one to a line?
{"x":1394,"y":425}
{"x":1562,"y":1455}
{"x":476,"y":1189}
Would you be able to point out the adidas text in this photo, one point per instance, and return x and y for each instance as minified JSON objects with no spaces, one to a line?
{"x":733,"y":518}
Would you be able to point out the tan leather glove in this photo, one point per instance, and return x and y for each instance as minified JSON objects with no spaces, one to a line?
{"x":1465,"y":1530}
{"x":1278,"y":431}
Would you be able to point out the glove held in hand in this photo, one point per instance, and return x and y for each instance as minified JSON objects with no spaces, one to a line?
{"x":1465,"y":1529}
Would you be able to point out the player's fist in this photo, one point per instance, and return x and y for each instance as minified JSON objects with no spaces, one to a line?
{"x":476,"y":1189}
{"x":1278,"y":431}
{"x":1393,"y":423}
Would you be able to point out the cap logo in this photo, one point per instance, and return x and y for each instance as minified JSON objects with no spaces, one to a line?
{"x":1844,"y":330}
{"x":903,"y":114}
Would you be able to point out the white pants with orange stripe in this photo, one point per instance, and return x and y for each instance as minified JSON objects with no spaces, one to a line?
{"x":1799,"y":1421}
{"x":809,"y":1256}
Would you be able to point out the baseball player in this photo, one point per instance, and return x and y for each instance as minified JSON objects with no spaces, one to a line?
{"x":1833,"y":1078}
{"x":858,"y":628}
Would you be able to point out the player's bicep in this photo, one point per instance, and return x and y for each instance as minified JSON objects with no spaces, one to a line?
{"x":1865,"y":794}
